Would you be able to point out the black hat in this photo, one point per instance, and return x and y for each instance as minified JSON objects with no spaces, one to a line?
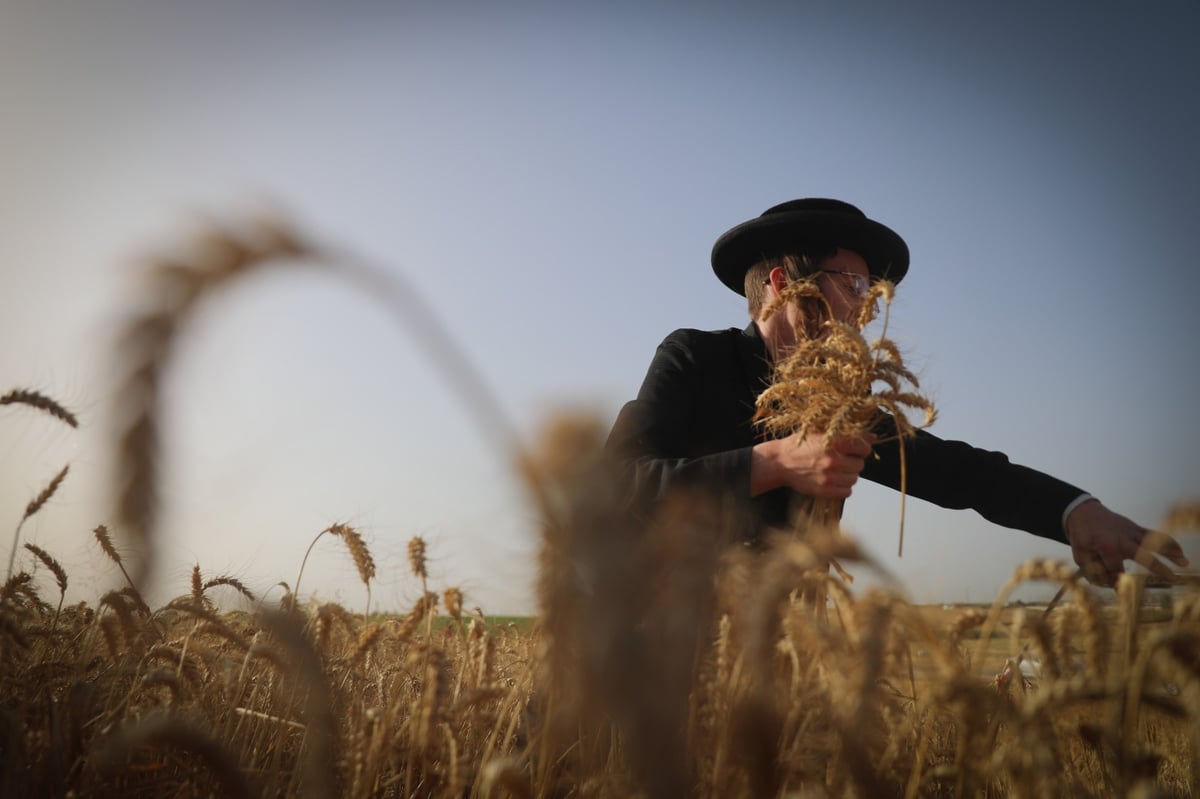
{"x":789,"y":227}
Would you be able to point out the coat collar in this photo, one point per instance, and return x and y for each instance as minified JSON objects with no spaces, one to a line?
{"x":756,"y":364}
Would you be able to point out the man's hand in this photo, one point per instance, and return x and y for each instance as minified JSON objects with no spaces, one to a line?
{"x":1101,"y":541}
{"x":808,"y":466}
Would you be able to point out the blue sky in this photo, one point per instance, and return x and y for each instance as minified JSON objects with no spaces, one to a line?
{"x":551,"y":177}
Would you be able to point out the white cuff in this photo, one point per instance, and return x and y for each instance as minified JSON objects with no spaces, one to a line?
{"x":1075,"y":503}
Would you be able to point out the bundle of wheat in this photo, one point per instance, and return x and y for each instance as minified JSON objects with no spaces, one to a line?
{"x":837,"y":384}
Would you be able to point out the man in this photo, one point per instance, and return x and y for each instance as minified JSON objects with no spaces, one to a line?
{"x":691,"y":425}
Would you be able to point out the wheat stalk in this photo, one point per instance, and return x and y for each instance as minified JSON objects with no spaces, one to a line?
{"x":361,"y":556}
{"x":60,"y":576}
{"x":366,"y":642}
{"x":46,"y":493}
{"x":35,"y":504}
{"x":1069,"y":577}
{"x":109,"y":627}
{"x":452,"y":600}
{"x":215,"y":257}
{"x":420,"y":610}
{"x":19,"y":583}
{"x":320,"y":741}
{"x":212,"y":621}
{"x":358,"y":551}
{"x":116,"y":601}
{"x":178,"y":285}
{"x":327,"y":614}
{"x":106,"y":546}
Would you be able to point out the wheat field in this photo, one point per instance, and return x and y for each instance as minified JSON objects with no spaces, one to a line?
{"x":671,"y":686}
{"x":664,"y":659}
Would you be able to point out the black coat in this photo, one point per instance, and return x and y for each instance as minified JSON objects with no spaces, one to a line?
{"x":691,"y":427}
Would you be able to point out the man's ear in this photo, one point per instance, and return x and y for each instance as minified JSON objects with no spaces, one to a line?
{"x":778,"y":278}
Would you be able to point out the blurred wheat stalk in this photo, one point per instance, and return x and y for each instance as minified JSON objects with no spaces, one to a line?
{"x":177,"y":284}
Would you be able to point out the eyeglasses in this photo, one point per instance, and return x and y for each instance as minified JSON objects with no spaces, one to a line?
{"x":858,"y":284}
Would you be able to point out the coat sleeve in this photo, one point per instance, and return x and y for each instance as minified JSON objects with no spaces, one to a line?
{"x":656,"y":436}
{"x":954,"y":474}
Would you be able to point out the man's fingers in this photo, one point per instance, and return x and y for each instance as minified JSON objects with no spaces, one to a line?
{"x":851,"y":445}
{"x":1148,"y":559}
{"x":1157,"y":568}
{"x":1165,"y":545}
{"x":1097,"y":573}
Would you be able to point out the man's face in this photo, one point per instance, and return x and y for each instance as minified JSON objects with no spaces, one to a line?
{"x":840,"y":278}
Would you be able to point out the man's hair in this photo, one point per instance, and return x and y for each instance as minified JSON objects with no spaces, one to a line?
{"x":797,"y":266}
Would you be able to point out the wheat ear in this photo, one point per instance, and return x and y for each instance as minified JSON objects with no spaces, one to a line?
{"x":106,"y":545}
{"x":34,"y":399}
{"x":197,"y":586}
{"x":417,"y":562}
{"x":452,"y":599}
{"x":358,"y":551}
{"x":19,"y":583}
{"x":361,"y":555}
{"x":232,"y":582}
{"x":60,"y":576}
{"x":32,"y":508}
{"x":416,"y":558}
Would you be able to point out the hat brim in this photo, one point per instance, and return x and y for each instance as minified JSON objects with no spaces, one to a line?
{"x":741,"y":247}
